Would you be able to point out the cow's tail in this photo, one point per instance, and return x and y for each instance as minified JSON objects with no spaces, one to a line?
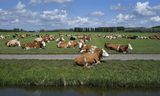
{"x":130,"y":46}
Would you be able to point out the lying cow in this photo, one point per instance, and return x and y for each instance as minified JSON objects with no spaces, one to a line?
{"x":46,"y":38}
{"x":13,"y":43}
{"x":63,"y":44}
{"x":73,"y":44}
{"x":72,"y":38}
{"x":30,"y":45}
{"x":119,"y":47}
{"x":85,"y":48}
{"x":2,"y":37}
{"x":60,"y":39}
{"x":92,"y":58}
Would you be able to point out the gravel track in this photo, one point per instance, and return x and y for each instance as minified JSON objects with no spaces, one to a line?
{"x":71,"y":56}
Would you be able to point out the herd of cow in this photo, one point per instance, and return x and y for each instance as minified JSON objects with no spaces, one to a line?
{"x":115,"y":36}
{"x":90,"y":54}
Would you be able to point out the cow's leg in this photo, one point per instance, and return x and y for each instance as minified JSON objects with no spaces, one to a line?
{"x":73,"y":47}
{"x":124,"y":52}
{"x":129,"y":51}
{"x":86,"y":63}
{"x":97,"y":62}
{"x":66,"y":46}
{"x":27,"y":48}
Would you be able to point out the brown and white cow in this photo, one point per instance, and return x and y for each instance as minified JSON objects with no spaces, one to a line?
{"x":91,"y":58}
{"x":119,"y":47}
{"x":13,"y":43}
{"x":85,"y":48}
{"x":46,"y":38}
{"x":60,"y":39}
{"x":34,"y":44}
{"x":73,"y":44}
{"x":2,"y":37}
{"x":63,"y":44}
{"x":84,"y":37}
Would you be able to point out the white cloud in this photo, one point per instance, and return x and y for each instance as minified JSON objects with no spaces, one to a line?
{"x":57,"y":18}
{"x":3,"y":12}
{"x":122,"y":17}
{"x":33,"y":21}
{"x":50,"y":1}
{"x":55,"y":14}
{"x":20,"y":7}
{"x":78,"y":21}
{"x":144,"y":9}
{"x":15,"y":21}
{"x":155,"y":18}
{"x":157,"y":7}
{"x":31,"y":13}
{"x":97,"y":13}
{"x":35,"y":1}
{"x":116,"y":7}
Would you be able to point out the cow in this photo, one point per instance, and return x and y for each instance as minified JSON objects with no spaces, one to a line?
{"x":2,"y":37}
{"x":73,"y":44}
{"x":60,"y":39}
{"x":63,"y":44}
{"x":132,"y":37}
{"x":13,"y":43}
{"x":156,"y":36}
{"x":72,"y":38}
{"x":86,"y":48}
{"x":46,"y":38}
{"x":119,"y":47}
{"x":84,"y":37}
{"x":91,"y":58}
{"x":49,"y":37}
{"x":38,"y":39}
{"x":34,"y":44}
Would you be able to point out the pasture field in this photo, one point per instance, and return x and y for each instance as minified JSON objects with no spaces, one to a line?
{"x":136,"y":73}
{"x":146,"y":46}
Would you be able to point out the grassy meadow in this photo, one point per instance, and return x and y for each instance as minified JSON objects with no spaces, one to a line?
{"x":147,"y":46}
{"x":136,"y":73}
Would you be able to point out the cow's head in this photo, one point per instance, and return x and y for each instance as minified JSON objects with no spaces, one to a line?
{"x":130,"y":47}
{"x":18,"y":43}
{"x":43,"y":44}
{"x":80,"y":45}
{"x":104,"y":53}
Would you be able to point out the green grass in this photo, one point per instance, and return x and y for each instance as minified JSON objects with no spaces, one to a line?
{"x":140,"y":46}
{"x":66,"y":73}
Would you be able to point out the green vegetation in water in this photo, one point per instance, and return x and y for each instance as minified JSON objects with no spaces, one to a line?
{"x":65,"y":73}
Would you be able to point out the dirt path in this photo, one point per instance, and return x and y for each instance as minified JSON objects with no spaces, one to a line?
{"x":71,"y":56}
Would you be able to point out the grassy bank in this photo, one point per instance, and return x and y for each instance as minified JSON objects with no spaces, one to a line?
{"x":65,"y":73}
{"x":139,"y":46}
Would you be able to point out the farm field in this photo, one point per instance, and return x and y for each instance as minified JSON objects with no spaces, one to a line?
{"x":137,"y":73}
{"x":144,"y":46}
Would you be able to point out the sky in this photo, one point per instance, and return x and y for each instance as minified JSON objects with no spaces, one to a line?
{"x":62,"y":14}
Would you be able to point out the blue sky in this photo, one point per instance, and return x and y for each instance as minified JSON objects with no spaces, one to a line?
{"x":55,"y":14}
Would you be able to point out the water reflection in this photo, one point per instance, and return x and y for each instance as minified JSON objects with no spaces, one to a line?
{"x":83,"y":91}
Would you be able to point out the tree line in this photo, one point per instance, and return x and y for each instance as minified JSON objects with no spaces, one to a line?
{"x":118,"y":29}
{"x":88,"y":29}
{"x":99,"y":29}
